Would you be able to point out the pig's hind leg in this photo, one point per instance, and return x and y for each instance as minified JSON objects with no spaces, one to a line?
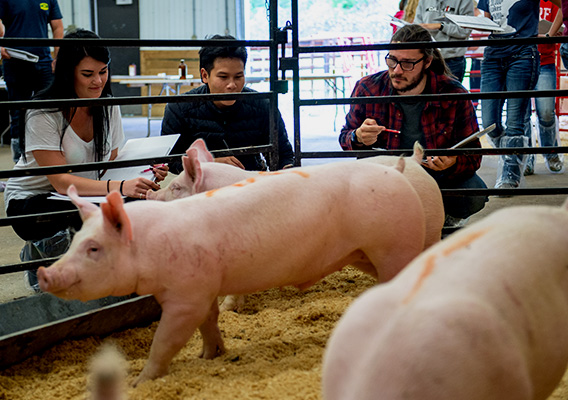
{"x":212,"y":341}
{"x":177,"y":325}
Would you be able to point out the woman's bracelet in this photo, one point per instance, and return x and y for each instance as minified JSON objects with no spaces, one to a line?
{"x":121,"y":185}
{"x":108,"y":186}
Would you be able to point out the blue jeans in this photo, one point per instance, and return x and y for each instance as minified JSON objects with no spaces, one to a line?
{"x":23,"y":80}
{"x":516,"y":72}
{"x":464,"y":206}
{"x":564,"y":54}
{"x":457,"y":66}
{"x":545,"y":109}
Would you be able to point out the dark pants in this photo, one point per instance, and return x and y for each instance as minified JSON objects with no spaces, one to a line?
{"x":457,"y":66}
{"x":464,"y":206}
{"x":41,"y":229}
{"x":23,"y":80}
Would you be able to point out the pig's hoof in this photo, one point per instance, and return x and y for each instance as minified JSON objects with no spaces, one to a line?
{"x":212,"y":352}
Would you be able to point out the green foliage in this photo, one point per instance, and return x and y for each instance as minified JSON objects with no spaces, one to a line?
{"x":348,"y":4}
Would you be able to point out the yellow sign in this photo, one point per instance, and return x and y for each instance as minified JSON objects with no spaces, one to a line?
{"x":44,"y":6}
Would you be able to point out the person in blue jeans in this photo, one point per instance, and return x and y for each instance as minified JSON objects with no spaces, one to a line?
{"x":510,"y":68}
{"x":27,"y":19}
{"x":545,"y":110}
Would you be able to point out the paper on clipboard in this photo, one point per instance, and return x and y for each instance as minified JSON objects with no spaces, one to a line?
{"x":474,"y":136}
{"x":397,"y":21}
{"x":154,"y":146}
{"x":478,"y":23}
{"x":22,"y":55}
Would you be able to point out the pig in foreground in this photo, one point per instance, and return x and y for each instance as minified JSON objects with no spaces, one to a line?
{"x":201,"y":174}
{"x":482,"y":315}
{"x":292,"y":229}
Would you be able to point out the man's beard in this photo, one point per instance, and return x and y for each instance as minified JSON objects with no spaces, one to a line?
{"x":410,"y":84}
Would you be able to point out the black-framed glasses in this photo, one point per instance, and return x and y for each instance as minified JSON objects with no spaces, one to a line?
{"x":405,"y":65}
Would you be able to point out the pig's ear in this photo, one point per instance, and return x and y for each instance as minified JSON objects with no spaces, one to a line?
{"x":192,"y":167}
{"x":418,"y":153}
{"x":85,"y":208}
{"x":200,"y":151}
{"x":400,"y":164}
{"x":115,"y":215}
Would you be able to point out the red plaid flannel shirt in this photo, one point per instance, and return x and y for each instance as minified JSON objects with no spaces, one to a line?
{"x":444,"y":123}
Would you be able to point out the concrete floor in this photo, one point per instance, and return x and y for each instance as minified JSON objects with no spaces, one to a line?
{"x":316,"y":136}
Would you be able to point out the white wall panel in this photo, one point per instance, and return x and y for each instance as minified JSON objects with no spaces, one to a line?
{"x":76,"y":12}
{"x":186,"y":19}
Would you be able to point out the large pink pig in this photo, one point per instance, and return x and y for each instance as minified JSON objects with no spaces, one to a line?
{"x":202,"y":174}
{"x":238,"y":239}
{"x":482,"y":315}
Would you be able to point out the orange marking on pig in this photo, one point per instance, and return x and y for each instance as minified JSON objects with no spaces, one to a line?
{"x":426,"y":272}
{"x":251,"y":180}
{"x":210,"y":193}
{"x":464,"y":242}
{"x":302,"y":174}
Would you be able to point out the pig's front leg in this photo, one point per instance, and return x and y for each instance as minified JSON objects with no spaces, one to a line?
{"x":212,"y":341}
{"x":177,"y":324}
{"x":233,"y":302}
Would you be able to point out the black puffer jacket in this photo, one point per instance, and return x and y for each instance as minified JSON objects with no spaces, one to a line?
{"x":243,"y":124}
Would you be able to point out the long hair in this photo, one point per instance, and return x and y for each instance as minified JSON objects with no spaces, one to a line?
{"x":63,"y":87}
{"x":208,"y":54}
{"x":415,"y":33}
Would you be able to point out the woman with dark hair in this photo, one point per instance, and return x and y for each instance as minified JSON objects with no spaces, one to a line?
{"x":68,"y":135}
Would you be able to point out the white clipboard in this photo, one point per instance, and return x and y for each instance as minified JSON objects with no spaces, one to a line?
{"x":147,"y":147}
{"x":474,"y":136}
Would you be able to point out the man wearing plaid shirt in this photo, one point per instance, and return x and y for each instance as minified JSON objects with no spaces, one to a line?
{"x":435,"y":124}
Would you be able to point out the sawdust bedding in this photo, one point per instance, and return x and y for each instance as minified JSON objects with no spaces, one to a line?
{"x":274,"y":351}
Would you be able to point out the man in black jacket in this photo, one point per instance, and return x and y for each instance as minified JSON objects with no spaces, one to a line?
{"x":228,"y":123}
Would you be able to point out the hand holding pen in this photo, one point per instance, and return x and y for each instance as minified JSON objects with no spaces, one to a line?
{"x":369,"y":131}
{"x":160,"y":171}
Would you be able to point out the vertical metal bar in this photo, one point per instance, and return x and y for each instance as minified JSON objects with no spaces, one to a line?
{"x":296,"y":83}
{"x":273,"y":117}
{"x":95,"y":16}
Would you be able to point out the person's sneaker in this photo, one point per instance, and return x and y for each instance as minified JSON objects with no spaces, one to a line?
{"x":30,"y":279}
{"x":505,"y":185}
{"x":554,"y":164}
{"x":529,"y":167}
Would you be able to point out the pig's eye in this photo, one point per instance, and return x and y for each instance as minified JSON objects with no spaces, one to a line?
{"x":92,"y":250}
{"x":175,"y":188}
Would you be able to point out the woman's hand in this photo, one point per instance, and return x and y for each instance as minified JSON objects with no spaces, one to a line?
{"x":137,"y":187}
{"x":160,"y":172}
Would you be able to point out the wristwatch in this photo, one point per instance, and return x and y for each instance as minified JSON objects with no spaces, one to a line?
{"x":546,"y":34}
{"x":354,"y":137}
{"x":441,"y":26}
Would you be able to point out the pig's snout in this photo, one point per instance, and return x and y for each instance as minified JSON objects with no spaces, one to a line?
{"x":50,"y":280}
{"x":44,"y":279}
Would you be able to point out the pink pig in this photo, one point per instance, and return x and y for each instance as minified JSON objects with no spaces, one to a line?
{"x":482,"y":315}
{"x":202,"y":174}
{"x":237,"y":240}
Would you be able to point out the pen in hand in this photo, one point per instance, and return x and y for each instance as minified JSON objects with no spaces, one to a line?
{"x":390,"y":130}
{"x":152,"y":168}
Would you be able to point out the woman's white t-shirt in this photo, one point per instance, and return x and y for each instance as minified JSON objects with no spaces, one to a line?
{"x":43,"y":132}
